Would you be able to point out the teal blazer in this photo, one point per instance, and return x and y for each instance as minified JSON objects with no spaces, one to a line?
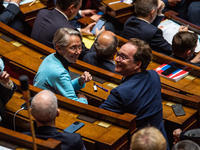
{"x":53,"y":75}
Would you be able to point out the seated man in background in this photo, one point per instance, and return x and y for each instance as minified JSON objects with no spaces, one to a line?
{"x":10,"y":17}
{"x":7,"y":89}
{"x":53,"y":73}
{"x":193,"y":134}
{"x":106,"y":47}
{"x":179,"y":6}
{"x":183,"y":47}
{"x":44,"y":108}
{"x":186,"y":9}
{"x":49,"y":21}
{"x":140,"y":91}
{"x":148,"y":138}
{"x":144,"y":26}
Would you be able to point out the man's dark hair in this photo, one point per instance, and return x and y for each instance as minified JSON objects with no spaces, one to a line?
{"x":144,"y":7}
{"x":143,"y":53}
{"x":183,"y":41}
{"x":64,"y":4}
{"x":106,"y":51}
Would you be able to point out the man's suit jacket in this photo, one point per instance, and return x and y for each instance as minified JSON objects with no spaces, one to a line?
{"x":139,"y":94}
{"x":12,"y":17}
{"x":46,"y":24}
{"x":5,"y":96}
{"x":9,"y":13}
{"x":69,"y":141}
{"x":93,"y":59}
{"x":137,"y":28}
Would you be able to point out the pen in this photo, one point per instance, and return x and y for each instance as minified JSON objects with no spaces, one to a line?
{"x":95,"y":87}
{"x":102,"y":88}
{"x":114,"y":2}
{"x":32,"y":3}
{"x":187,"y":26}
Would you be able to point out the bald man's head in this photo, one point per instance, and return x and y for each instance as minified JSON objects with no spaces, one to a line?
{"x":106,"y":44}
{"x":44,"y":107}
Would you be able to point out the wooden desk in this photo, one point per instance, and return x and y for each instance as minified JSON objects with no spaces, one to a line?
{"x":8,"y":136}
{"x":124,"y":120}
{"x":120,"y":11}
{"x":94,"y":136}
{"x":30,"y":12}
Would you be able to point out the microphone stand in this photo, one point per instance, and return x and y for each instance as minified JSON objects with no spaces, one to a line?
{"x":26,"y":93}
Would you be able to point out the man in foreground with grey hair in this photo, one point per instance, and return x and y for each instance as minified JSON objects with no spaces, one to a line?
{"x":44,"y":108}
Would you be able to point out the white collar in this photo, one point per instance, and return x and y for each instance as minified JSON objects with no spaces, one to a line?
{"x":144,"y":20}
{"x":62,"y":13}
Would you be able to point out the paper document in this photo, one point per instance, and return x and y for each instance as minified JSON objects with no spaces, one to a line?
{"x":170,"y":28}
{"x":5,"y":4}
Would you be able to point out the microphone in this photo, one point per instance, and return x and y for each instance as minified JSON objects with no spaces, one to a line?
{"x":26,"y":93}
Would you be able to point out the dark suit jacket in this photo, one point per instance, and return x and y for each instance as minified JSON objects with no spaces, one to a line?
{"x":13,"y":17}
{"x":46,"y":24}
{"x":93,"y":59}
{"x":5,"y":96}
{"x":9,"y":13}
{"x":69,"y":141}
{"x":137,"y":28}
{"x":139,"y":94}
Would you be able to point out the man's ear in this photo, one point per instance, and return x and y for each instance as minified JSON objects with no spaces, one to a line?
{"x":58,"y":112}
{"x":152,"y":13}
{"x":188,"y":53}
{"x":71,"y":8}
{"x":138,"y":64}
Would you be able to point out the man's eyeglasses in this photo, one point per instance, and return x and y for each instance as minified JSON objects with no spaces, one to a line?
{"x":76,"y":48}
{"x":122,"y":57}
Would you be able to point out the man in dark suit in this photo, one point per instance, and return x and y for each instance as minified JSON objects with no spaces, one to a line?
{"x":183,"y":47}
{"x":144,"y":26}
{"x":106,"y":47}
{"x":49,"y":21}
{"x":140,"y":91}
{"x":44,"y":108}
{"x":7,"y":89}
{"x":10,"y":17}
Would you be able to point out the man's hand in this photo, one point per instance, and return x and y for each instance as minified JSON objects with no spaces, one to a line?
{"x":4,"y":78}
{"x":176,"y":135}
{"x":96,"y":17}
{"x":183,"y":28}
{"x":196,"y":59}
{"x":173,"y":3}
{"x":97,"y":31}
{"x":87,"y":30}
{"x":85,"y":77}
{"x":161,"y":6}
{"x":88,"y":12}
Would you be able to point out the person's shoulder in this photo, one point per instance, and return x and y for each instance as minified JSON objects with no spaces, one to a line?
{"x":152,"y":72}
{"x":43,"y":11}
{"x":74,"y":137}
{"x":88,"y":56}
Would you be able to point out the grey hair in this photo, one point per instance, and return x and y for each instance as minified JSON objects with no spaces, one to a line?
{"x":44,"y":106}
{"x":61,"y":37}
